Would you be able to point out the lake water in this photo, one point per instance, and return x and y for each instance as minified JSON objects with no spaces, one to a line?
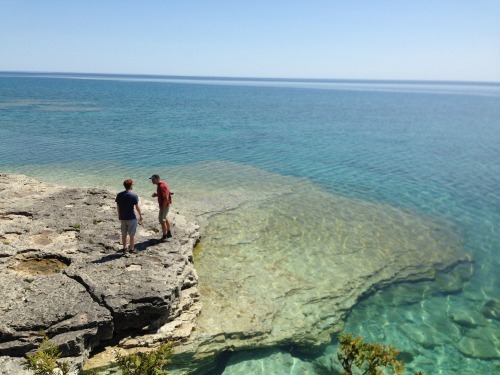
{"x":428,"y":148}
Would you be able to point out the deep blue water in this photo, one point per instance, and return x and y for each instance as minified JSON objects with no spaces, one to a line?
{"x":429,"y":147}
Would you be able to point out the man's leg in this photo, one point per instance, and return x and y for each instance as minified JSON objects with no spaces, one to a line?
{"x":124,"y":241}
{"x":168,"y":234}
{"x":123,"y":225}
{"x":132,"y":227}
{"x":165,"y":225}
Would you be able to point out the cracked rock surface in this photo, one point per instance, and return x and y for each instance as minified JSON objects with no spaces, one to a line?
{"x":62,"y":272}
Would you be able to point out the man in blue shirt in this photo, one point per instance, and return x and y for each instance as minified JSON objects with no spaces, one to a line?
{"x":125,"y":203}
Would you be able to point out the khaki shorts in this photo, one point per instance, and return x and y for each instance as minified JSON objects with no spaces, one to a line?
{"x":129,"y":227}
{"x":162,"y":216}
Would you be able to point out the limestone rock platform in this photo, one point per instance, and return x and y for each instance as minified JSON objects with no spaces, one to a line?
{"x":62,"y":271}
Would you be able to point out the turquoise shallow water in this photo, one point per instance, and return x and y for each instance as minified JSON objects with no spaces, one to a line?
{"x":429,"y":148}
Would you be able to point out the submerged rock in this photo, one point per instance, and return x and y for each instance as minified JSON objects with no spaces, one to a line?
{"x":61,"y":271}
{"x":293,"y":265}
{"x":468,"y":318}
{"x":429,"y":337}
{"x":267,"y":362}
{"x":491,"y":309}
{"x":481,"y":342}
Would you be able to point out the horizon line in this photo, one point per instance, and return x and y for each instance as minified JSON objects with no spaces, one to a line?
{"x":249,"y":78}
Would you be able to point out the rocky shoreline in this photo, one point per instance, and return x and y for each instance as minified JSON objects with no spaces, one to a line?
{"x":61,"y":272}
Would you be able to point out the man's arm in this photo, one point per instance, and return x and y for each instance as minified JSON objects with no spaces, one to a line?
{"x":138,"y":208}
{"x":118,"y":210}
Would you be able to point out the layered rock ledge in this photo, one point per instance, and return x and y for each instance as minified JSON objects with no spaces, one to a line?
{"x":62,"y":272}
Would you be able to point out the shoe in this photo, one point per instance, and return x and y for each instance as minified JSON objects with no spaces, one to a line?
{"x":163,"y":238}
{"x":169,"y":235}
{"x":134,"y":250}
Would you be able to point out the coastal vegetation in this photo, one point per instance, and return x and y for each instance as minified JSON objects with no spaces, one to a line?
{"x":45,"y":361}
{"x":150,"y":363}
{"x":359,"y":357}
{"x":356,"y":356}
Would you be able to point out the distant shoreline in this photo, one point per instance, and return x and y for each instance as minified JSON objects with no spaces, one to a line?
{"x":81,"y":75}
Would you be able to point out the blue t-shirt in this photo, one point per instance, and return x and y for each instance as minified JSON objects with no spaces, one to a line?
{"x":126,"y":201}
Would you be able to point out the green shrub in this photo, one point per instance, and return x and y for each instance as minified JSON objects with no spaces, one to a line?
{"x":150,"y":363}
{"x":45,"y":360}
{"x":358,"y":357}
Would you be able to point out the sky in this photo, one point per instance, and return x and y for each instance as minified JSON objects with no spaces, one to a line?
{"x":330,"y":39}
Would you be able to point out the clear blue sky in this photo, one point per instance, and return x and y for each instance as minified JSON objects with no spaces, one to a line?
{"x":365,"y":39}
